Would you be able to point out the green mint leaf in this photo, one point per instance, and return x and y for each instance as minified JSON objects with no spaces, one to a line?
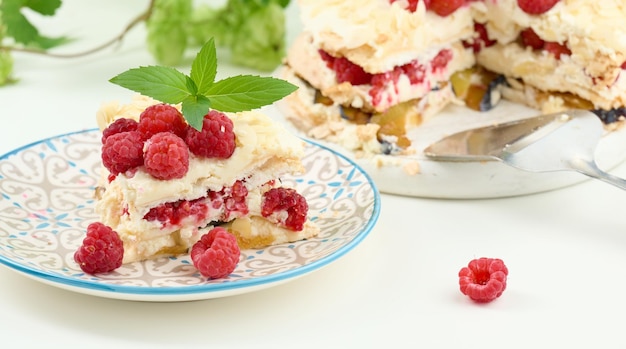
{"x":194,"y":110}
{"x":204,"y":67}
{"x":247,"y":92}
{"x":161,"y":83}
{"x":44,"y":7}
{"x":199,"y":92}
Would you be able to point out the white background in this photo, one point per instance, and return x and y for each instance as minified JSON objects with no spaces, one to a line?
{"x":565,"y":250}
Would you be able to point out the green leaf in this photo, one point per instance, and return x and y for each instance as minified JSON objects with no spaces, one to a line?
{"x":44,"y":7}
{"x":161,"y":83}
{"x":247,"y":92}
{"x":21,"y":30}
{"x":17,"y":26}
{"x":204,"y":67}
{"x":194,"y":110}
{"x":198,"y":92}
{"x":45,"y":42}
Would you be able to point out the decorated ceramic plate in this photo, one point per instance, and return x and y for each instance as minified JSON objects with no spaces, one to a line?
{"x":46,"y":203}
{"x":419,"y":176}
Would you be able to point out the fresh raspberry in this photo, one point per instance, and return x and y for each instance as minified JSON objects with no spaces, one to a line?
{"x":345,"y":70}
{"x":623,"y":66}
{"x":278,"y":201}
{"x":161,"y":118}
{"x":326,"y":57}
{"x":536,"y":7}
{"x":412,"y":6}
{"x":381,"y":82}
{"x":122,"y":151}
{"x":166,"y":156}
{"x":484,"y":279}
{"x":480,"y":39}
{"x":217,"y":138}
{"x":445,"y":7}
{"x":235,"y":204}
{"x":173,"y":213}
{"x":557,"y":49}
{"x":102,"y":250}
{"x":441,"y":60}
{"x":530,"y":38}
{"x":216,"y":254}
{"x":415,"y":71}
{"x":349,"y":72}
{"x":118,"y":126}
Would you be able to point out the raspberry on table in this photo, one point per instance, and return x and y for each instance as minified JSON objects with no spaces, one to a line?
{"x":118,"y":126}
{"x":278,"y":201}
{"x":166,"y":156}
{"x":216,"y":254}
{"x":101,"y":251}
{"x":215,"y":140}
{"x":161,"y":118}
{"x":536,"y":7}
{"x":122,"y":152}
{"x":484,"y":279}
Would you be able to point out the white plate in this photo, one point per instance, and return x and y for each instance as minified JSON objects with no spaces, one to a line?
{"x":46,"y":203}
{"x":465,"y":180}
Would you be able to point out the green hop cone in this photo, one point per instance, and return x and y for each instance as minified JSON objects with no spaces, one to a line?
{"x":205,"y":23}
{"x":6,"y":67}
{"x":260,"y":41}
{"x":167,"y":35}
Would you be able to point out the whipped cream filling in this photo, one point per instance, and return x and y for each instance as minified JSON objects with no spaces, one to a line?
{"x":259,"y":140}
{"x":377,"y":35}
{"x":320,"y":121}
{"x":589,"y":27}
{"x":304,"y":58}
{"x":544,"y":72}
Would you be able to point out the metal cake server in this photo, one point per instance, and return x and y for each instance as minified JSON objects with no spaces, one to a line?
{"x":545,"y":143}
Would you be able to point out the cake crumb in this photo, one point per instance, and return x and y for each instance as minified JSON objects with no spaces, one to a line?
{"x":412,"y":168}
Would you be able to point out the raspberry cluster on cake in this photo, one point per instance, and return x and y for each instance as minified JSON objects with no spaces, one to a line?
{"x":368,"y":70}
{"x":165,"y":184}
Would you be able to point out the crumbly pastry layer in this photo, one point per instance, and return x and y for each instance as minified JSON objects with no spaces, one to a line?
{"x":377,"y":35}
{"x":264,"y":152}
{"x":305,"y":60}
{"x":579,"y":66}
{"x":325,"y":121}
{"x":593,"y":31}
{"x":257,"y":232}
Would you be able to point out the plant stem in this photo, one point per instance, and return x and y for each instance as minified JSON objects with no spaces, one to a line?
{"x":142,"y":17}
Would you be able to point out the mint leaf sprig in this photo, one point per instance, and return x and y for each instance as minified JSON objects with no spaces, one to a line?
{"x":199,"y":92}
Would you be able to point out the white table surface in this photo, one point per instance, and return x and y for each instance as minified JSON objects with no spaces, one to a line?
{"x":566,"y":249}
